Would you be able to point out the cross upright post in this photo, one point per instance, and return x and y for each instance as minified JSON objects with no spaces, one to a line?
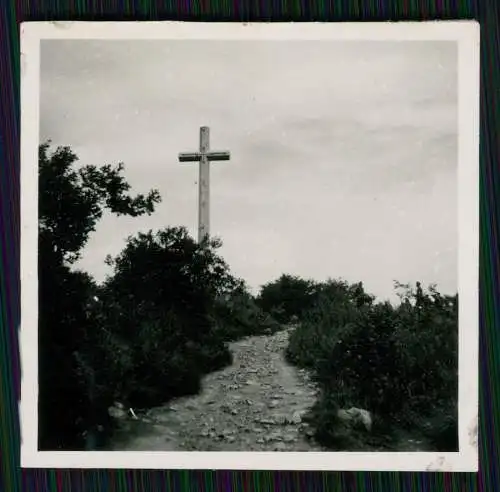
{"x":204,"y":156}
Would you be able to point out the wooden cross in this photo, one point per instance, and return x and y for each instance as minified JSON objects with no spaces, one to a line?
{"x":204,"y":156}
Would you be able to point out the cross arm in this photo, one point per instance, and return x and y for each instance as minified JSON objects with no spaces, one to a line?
{"x":218,"y":156}
{"x":211,"y":156}
{"x":189,"y":156}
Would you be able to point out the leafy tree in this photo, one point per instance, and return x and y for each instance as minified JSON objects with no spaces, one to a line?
{"x":160,"y":300}
{"x":72,"y":198}
{"x":287,"y":297}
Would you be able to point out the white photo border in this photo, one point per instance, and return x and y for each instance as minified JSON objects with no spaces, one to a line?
{"x":466,"y":35}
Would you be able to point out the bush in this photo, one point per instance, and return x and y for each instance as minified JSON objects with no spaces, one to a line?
{"x":176,"y":305}
{"x":398,"y":362}
{"x":159,"y":301}
{"x":286,"y":297}
{"x":319,"y":326}
{"x":64,"y":405}
{"x":238,"y":315}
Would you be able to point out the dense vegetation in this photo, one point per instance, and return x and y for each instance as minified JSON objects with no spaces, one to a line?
{"x":399,"y":362}
{"x":165,"y":314}
{"x":149,"y":333}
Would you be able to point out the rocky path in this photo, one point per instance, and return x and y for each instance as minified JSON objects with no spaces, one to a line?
{"x":257,"y":404}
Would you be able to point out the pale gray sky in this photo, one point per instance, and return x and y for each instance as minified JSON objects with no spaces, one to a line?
{"x":343,"y":154}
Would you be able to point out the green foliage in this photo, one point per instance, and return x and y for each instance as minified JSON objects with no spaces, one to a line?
{"x":159,"y":300}
{"x":336,"y":305}
{"x":398,"y":362}
{"x":179,"y":317}
{"x":291,"y":297}
{"x":62,"y":324}
{"x":71,"y":201}
{"x":164,"y":317}
{"x":286,"y":297}
{"x":238,"y":315}
{"x":149,"y":333}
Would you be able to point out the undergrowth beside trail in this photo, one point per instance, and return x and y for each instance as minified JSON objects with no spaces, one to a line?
{"x":398,"y":362}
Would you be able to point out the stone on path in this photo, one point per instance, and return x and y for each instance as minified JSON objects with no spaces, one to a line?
{"x":356,"y":416}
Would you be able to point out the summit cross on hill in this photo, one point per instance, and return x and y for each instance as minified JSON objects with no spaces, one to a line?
{"x":204,"y":156}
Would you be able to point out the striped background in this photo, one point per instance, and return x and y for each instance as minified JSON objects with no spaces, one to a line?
{"x":12,"y":478}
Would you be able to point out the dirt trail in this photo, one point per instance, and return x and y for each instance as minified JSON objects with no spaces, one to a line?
{"x":256,"y":404}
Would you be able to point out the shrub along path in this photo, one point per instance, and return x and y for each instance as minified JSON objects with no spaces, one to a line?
{"x":257,"y":404}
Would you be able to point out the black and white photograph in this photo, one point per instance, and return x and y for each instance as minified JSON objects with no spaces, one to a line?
{"x":252,"y":240}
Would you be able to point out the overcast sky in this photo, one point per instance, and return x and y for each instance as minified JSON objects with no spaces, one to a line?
{"x":343,"y":154}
